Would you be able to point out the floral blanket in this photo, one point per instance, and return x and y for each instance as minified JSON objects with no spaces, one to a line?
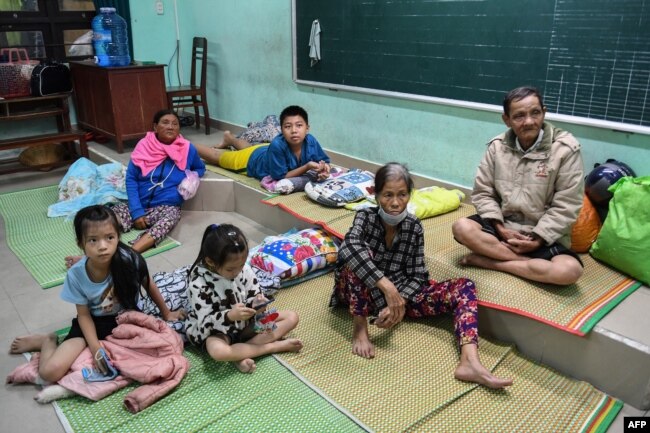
{"x":86,"y":184}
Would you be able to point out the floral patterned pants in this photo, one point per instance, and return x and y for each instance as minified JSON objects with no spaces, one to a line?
{"x":160,"y":220}
{"x":457,"y":296}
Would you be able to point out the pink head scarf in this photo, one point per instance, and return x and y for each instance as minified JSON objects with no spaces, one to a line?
{"x":149,"y":152}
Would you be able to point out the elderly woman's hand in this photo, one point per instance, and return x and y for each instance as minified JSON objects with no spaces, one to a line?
{"x":140,"y":223}
{"x":394,"y":312}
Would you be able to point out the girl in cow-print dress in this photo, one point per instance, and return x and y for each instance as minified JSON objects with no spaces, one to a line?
{"x":223,"y":291}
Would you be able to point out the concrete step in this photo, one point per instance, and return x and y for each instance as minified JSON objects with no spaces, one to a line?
{"x":614,"y":356}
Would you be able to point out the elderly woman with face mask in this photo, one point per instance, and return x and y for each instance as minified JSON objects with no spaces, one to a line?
{"x":382,"y":275}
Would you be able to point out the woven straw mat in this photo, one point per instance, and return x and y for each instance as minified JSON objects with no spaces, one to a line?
{"x":42,"y":243}
{"x":413,"y":368}
{"x":555,"y":304}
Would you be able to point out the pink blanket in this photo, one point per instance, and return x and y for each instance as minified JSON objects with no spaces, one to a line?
{"x":143,"y":348}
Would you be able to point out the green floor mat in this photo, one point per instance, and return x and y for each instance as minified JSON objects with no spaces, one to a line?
{"x":213,"y":397}
{"x":42,"y":243}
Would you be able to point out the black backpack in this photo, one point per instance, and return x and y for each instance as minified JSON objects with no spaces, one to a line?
{"x":49,"y":78}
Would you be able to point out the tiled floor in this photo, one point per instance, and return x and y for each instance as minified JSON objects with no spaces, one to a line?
{"x":26,"y":308}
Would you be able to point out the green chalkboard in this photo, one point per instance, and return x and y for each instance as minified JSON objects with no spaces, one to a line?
{"x":590,"y":58}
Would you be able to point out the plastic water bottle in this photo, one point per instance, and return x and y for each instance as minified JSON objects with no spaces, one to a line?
{"x":110,"y":39}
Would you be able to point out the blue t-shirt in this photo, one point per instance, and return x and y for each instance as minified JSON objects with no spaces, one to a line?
{"x":277,"y":159}
{"x":79,"y":289}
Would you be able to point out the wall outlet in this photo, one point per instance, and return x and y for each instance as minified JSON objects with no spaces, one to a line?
{"x":160,"y":8}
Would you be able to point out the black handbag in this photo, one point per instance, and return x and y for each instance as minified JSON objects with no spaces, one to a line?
{"x":49,"y":78}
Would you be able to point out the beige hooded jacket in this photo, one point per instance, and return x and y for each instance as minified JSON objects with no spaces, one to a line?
{"x":537,"y":192}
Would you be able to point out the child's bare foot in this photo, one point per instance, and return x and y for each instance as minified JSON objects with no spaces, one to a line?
{"x":228,"y":140}
{"x":246,"y":365}
{"x":475,"y":372}
{"x":71,"y":260}
{"x":289,"y":345}
{"x":27,"y":343}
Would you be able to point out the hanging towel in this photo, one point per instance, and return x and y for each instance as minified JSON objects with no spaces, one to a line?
{"x":314,"y":43}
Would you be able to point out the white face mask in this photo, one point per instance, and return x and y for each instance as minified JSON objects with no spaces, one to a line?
{"x":392,"y":220}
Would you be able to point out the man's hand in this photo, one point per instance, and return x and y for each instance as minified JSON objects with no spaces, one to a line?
{"x":507,"y":234}
{"x":524,"y":244}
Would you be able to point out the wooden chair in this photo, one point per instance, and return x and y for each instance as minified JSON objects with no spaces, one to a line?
{"x":193,"y":95}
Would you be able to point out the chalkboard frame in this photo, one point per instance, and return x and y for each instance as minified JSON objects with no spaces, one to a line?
{"x":578,"y":120}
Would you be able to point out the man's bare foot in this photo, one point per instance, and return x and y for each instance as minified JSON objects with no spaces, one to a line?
{"x":475,"y":372}
{"x":467,"y":260}
{"x":71,"y":260}
{"x":246,"y":365}
{"x":27,"y":343}
{"x":473,"y":259}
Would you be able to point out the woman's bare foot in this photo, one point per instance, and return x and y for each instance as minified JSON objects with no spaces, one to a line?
{"x":481,"y":375}
{"x":470,"y":369}
{"x":361,"y":345}
{"x":246,"y":365}
{"x":27,"y":343}
{"x":71,"y":260}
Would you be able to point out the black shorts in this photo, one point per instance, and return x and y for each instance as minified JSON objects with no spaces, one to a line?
{"x":238,"y":336}
{"x":546,"y":252}
{"x":103,"y":324}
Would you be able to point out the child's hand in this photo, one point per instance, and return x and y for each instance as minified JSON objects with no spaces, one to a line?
{"x":174,"y":316}
{"x":313,"y":165}
{"x":240,"y":312}
{"x":99,"y":361}
{"x":260,"y":299}
{"x":323,"y":170}
{"x":324,"y":167}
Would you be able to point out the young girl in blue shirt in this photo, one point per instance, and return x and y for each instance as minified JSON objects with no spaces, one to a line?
{"x":107,"y":280}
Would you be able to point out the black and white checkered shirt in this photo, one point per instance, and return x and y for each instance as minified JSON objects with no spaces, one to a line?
{"x":364,"y":251}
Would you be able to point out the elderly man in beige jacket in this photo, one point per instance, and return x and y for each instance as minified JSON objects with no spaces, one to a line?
{"x":527,"y":193}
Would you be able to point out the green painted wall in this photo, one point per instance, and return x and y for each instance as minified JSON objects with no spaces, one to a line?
{"x":249,"y":76}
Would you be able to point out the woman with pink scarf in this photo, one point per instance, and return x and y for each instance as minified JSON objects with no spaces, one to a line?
{"x":157,"y":167}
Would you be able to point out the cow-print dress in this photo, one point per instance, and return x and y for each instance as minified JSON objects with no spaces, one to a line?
{"x":211,"y":297}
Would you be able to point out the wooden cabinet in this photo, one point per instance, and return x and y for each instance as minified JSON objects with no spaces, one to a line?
{"x":119,"y":102}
